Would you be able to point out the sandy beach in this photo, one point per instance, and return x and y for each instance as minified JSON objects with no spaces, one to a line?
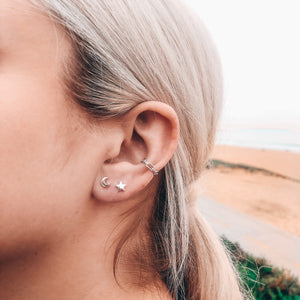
{"x":262,"y":183}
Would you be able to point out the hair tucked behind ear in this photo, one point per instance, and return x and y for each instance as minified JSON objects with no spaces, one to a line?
{"x":130,"y":51}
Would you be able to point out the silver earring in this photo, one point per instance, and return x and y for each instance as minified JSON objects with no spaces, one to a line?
{"x":104,"y":182}
{"x":149,"y":165}
{"x":121,"y":186}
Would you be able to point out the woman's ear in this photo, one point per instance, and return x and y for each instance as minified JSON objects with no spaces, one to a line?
{"x":149,"y":131}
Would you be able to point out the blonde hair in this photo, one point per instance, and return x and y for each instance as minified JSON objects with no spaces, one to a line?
{"x":130,"y":51}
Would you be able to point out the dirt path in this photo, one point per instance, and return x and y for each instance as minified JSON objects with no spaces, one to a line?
{"x":269,"y":198}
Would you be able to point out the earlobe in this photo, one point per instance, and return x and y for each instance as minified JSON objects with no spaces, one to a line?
{"x":150,"y":135}
{"x":107,"y":189}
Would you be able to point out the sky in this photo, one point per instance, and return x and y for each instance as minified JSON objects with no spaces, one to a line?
{"x":259,"y":46}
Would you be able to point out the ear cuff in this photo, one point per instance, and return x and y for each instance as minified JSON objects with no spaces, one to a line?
{"x":121,"y":185}
{"x":150,"y":166}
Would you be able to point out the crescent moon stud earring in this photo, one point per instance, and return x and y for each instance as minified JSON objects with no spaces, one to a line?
{"x":104,"y":182}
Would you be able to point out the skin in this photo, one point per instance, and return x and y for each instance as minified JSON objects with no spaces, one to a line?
{"x":58,"y":225}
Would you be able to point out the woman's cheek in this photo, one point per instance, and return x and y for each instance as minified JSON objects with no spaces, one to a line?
{"x":33,"y":142}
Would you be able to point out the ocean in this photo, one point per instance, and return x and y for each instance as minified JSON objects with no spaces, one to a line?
{"x":262,"y":138}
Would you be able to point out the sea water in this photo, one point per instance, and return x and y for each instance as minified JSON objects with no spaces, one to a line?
{"x":276,"y":139}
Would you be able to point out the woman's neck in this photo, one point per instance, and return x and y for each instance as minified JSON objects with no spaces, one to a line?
{"x":81,"y":267}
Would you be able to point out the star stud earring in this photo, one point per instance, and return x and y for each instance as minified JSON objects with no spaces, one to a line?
{"x":121,"y":186}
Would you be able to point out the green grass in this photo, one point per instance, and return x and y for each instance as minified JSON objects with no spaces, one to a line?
{"x":266,"y":282}
{"x":216,"y":163}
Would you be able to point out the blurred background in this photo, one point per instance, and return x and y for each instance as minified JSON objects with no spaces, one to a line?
{"x":251,"y":193}
{"x":259,"y":44}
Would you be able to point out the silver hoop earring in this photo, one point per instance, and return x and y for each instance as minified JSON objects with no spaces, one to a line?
{"x":104,"y":182}
{"x":149,"y":165}
{"x":121,"y":186}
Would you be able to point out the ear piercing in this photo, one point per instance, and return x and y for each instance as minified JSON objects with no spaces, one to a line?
{"x":121,"y":186}
{"x":149,"y":165}
{"x":104,"y":182}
